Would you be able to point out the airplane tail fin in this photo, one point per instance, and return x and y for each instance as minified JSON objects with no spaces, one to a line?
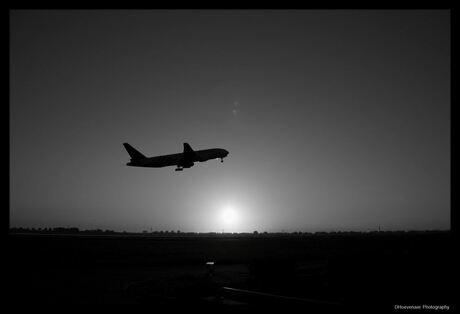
{"x":133,"y":153}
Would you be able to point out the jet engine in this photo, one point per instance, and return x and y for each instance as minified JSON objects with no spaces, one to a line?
{"x":187,"y":164}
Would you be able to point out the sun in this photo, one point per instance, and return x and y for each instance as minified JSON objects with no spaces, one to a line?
{"x":229,"y":217}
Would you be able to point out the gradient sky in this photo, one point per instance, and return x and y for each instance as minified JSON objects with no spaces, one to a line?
{"x":334,"y":120}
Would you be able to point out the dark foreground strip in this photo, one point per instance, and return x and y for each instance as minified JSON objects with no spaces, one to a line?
{"x":267,"y":298}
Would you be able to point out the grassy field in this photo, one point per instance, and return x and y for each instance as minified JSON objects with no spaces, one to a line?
{"x":378,"y":270}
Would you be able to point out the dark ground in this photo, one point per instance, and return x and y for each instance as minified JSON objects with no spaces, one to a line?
{"x":365,"y":271}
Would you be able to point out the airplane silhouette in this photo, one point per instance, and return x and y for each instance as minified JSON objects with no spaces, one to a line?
{"x":182,"y":160}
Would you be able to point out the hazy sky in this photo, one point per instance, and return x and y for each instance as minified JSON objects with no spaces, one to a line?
{"x":334,"y":120}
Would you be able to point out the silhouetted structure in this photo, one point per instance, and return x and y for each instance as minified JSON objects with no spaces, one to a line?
{"x":182,"y":160}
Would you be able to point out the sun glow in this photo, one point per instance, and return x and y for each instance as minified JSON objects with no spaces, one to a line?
{"x":229,"y":218}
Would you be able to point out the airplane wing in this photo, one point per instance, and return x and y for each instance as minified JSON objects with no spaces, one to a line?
{"x":189,"y":153}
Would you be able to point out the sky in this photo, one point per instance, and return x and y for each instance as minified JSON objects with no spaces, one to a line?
{"x":334,"y":120}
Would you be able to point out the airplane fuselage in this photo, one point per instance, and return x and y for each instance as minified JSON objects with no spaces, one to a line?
{"x":180,"y":159}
